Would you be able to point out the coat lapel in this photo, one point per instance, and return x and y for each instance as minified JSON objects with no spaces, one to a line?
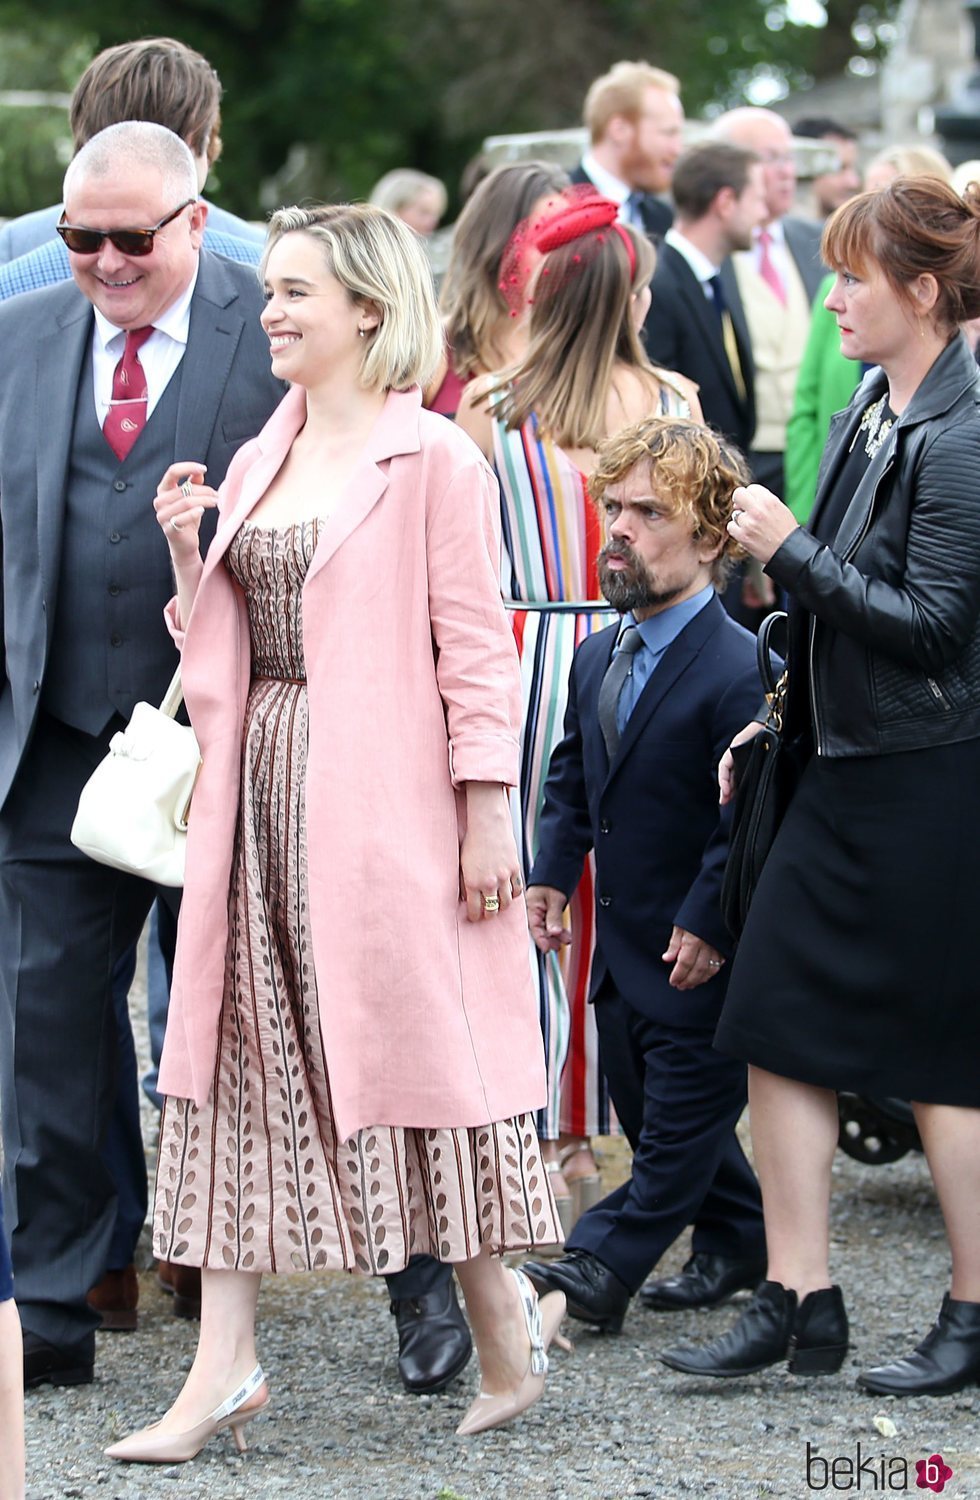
{"x":214,"y":333}
{"x":396,"y":431}
{"x":705,"y":316}
{"x":60,"y":356}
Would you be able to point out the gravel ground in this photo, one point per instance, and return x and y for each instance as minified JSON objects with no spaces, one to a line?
{"x":613,"y":1422}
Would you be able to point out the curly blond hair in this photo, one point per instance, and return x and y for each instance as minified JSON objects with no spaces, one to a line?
{"x":694,"y":473}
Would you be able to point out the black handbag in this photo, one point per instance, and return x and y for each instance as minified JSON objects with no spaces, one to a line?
{"x":765,"y":779}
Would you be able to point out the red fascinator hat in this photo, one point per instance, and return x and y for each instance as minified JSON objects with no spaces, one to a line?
{"x":579,"y":214}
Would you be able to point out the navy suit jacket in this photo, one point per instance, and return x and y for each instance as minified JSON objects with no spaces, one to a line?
{"x":657,"y":215}
{"x":683,"y":332}
{"x":652,"y":816}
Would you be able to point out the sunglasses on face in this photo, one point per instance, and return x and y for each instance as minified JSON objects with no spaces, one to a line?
{"x":127,"y":241}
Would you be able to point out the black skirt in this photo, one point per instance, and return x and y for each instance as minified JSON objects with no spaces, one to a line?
{"x":859,"y":966}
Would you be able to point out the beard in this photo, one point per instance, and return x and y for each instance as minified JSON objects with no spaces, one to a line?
{"x":633,"y":587}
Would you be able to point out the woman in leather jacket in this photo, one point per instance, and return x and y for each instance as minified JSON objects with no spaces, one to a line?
{"x":857,"y":966}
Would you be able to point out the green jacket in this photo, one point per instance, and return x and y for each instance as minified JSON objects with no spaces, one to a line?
{"x":825,"y":385}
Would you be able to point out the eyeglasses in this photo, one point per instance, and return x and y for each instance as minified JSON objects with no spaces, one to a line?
{"x":127,"y":241}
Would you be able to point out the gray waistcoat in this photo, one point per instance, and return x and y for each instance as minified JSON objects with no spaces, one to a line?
{"x":110,"y":647}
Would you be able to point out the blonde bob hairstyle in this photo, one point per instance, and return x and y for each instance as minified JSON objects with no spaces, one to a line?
{"x":381,"y":264}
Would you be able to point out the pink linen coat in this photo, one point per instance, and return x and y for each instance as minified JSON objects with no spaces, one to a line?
{"x":413,"y":683}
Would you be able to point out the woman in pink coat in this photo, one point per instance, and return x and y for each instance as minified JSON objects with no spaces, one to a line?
{"x":352,"y":1054}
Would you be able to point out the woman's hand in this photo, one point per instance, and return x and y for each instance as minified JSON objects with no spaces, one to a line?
{"x":726,"y":766}
{"x":489,"y":869}
{"x":694,"y":961}
{"x":760,"y":521}
{"x":182,"y":498}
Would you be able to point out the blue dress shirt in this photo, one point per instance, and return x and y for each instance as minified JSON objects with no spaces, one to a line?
{"x":657,"y":633}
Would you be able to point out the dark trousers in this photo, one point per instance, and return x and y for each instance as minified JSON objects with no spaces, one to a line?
{"x":678,"y":1101}
{"x":64,"y":923}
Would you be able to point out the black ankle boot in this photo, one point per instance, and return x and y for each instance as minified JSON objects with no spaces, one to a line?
{"x":947,"y":1360}
{"x":812,"y":1335}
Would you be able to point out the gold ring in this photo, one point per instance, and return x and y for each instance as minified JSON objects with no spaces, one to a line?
{"x":185,"y":489}
{"x":491,"y":903}
{"x":174,"y":524}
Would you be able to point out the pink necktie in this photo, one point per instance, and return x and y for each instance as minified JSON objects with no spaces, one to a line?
{"x":767,"y":267}
{"x":127,"y":414}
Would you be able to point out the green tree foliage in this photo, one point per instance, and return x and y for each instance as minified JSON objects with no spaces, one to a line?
{"x":342,"y":90}
{"x":35,"y":143}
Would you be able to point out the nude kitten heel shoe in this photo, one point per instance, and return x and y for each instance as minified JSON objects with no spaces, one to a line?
{"x":542,"y":1318}
{"x":150,"y":1446}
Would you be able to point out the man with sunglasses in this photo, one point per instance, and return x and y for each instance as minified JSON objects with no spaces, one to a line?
{"x":153,"y":352}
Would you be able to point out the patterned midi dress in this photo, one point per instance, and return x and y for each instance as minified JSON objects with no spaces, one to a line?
{"x":551,"y":539}
{"x":256,"y":1179}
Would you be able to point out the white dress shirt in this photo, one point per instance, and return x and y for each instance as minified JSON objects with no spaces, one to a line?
{"x":609,"y":186}
{"x":696,"y":259}
{"x":159,"y":356}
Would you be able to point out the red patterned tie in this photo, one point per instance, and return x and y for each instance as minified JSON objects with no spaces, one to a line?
{"x":767,"y":268}
{"x":127,"y":414}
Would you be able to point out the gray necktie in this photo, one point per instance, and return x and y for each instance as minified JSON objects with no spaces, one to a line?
{"x":612,"y":685}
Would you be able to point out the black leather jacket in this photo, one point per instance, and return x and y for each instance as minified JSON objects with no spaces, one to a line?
{"x":892,"y":634}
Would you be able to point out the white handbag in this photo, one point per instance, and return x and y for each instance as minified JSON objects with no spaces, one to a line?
{"x":132,"y":813}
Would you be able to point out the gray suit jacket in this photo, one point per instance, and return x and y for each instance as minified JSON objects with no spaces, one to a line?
{"x":803,"y":243}
{"x":227,"y":392}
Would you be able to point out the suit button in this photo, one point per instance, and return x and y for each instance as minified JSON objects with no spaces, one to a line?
{"x":119,"y":485}
{"x":605,"y":901}
{"x":114,"y":536}
{"x":115,"y":640}
{"x":37,"y":685}
{"x":114,"y":589}
{"x":604,"y":825}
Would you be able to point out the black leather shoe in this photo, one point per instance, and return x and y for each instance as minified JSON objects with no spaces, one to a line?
{"x":58,"y":1366}
{"x":705,"y":1281}
{"x":594,"y":1293}
{"x":812,"y":1335}
{"x":947,"y":1360}
{"x":434,"y":1344}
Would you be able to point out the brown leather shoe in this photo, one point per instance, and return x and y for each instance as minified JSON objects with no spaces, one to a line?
{"x":116,"y":1298}
{"x":183,"y":1283}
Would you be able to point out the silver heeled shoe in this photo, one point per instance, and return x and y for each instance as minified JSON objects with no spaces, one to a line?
{"x":151,"y":1446}
{"x":542,"y":1318}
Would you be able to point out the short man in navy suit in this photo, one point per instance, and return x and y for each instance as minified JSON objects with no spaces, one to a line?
{"x":653,"y":703}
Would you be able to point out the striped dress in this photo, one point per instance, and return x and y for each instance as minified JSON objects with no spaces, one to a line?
{"x":551,"y":538}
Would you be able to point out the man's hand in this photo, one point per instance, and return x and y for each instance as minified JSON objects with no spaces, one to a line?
{"x":694,"y":960}
{"x":545,"y":910}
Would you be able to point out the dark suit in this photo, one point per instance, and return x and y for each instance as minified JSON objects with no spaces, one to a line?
{"x":63,"y":919}
{"x":683,"y":332}
{"x":660,"y":847}
{"x":657,"y":216}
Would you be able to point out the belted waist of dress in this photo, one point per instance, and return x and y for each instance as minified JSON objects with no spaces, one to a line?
{"x":561,"y":606}
{"x":278,"y":677}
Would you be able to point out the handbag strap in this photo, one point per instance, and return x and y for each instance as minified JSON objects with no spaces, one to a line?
{"x":173,"y":697}
{"x":763,"y":651}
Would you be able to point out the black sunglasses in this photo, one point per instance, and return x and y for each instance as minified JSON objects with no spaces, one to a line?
{"x":127,"y":241}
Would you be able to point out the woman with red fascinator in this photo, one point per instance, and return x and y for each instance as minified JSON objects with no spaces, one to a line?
{"x":581,"y":279}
